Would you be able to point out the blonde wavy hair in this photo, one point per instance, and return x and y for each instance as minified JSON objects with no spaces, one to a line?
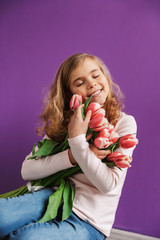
{"x":56,"y":114}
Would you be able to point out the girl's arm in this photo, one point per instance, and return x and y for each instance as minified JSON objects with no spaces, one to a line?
{"x":101,"y":176}
{"x":35,"y":169}
{"x":101,"y":154}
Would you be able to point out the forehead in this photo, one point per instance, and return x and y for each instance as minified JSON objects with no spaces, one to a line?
{"x":85,"y":67}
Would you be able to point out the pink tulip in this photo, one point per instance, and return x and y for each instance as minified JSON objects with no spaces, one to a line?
{"x":102,"y":125}
{"x":101,"y":110}
{"x":104,"y":133}
{"x":75,"y":101}
{"x":101,"y":142}
{"x":114,"y":137}
{"x":123,"y":162}
{"x":94,"y":106}
{"x":96,"y":121}
{"x":110,"y":128}
{"x":112,"y":157}
{"x":97,"y":112}
{"x":128,"y":141}
{"x":119,"y":159}
{"x":102,"y":139}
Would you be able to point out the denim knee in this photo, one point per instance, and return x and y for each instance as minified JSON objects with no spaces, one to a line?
{"x":5,"y":219}
{"x":18,"y":211}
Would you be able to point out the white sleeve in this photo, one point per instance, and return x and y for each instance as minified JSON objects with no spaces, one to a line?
{"x":101,"y":176}
{"x":35,"y":169}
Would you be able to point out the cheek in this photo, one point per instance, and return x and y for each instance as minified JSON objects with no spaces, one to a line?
{"x":107,"y":88}
{"x":73,"y":90}
{"x":77,"y":91}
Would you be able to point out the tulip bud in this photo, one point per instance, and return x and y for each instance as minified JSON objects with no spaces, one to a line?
{"x":103,"y":124}
{"x":96,"y":120}
{"x":112,"y":157}
{"x":114,"y":137}
{"x":94,"y":106}
{"x":75,"y":101}
{"x":110,"y":128}
{"x":101,"y":110}
{"x":101,"y":142}
{"x":121,"y":161}
{"x":128,"y":141}
{"x":104,"y":133}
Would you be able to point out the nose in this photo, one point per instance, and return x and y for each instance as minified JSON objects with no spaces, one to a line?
{"x":91,"y":83}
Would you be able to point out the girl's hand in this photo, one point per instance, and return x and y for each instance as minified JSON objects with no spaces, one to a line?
{"x":77,"y":125}
{"x":71,"y":158}
{"x":101,"y":154}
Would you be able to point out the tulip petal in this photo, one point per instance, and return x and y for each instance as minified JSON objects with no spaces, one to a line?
{"x":96,"y":121}
{"x":75,"y":101}
{"x":122,"y":163}
{"x":128,"y":141}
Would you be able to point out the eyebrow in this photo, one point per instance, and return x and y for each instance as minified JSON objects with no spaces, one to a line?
{"x":89,"y":73}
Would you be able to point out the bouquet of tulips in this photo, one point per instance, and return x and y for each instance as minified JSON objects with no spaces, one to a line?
{"x":103,"y":137}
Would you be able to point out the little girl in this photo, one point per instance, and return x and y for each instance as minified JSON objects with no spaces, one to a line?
{"x":99,"y":187}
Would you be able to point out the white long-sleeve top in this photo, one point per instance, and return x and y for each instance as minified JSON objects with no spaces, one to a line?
{"x":99,"y":187}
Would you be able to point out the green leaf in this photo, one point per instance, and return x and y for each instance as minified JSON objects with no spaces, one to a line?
{"x":16,"y":192}
{"x":94,"y":135}
{"x":54,"y":202}
{"x":65,"y":144}
{"x":86,"y":103}
{"x":83,"y":114}
{"x":89,"y":131}
{"x":79,"y":102}
{"x":40,"y":143}
{"x":66,"y":139}
{"x":45,"y":149}
{"x":33,"y":149}
{"x":68,"y":197}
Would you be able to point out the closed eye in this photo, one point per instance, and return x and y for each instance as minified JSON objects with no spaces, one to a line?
{"x":80,"y":84}
{"x":96,"y":76}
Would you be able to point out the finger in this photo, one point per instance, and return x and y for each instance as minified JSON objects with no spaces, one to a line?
{"x":101,"y":157}
{"x":71,"y":120}
{"x":106,"y":152}
{"x":88,"y":116}
{"x":78,"y":110}
{"x":103,"y":153}
{"x":89,"y":136}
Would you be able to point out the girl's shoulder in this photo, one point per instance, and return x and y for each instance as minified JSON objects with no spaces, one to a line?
{"x":126,"y":124}
{"x":125,"y":117}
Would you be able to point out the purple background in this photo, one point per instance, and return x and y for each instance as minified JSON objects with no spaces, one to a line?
{"x":36,"y":36}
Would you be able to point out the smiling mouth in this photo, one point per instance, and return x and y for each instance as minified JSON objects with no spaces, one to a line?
{"x":95,"y":93}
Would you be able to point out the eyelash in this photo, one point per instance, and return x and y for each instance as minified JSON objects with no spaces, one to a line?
{"x":96,"y":76}
{"x":83,"y":82}
{"x":80,"y":84}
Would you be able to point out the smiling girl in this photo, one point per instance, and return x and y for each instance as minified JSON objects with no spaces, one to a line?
{"x":99,"y":187}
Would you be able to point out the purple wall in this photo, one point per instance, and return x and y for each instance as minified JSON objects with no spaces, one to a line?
{"x":36,"y":36}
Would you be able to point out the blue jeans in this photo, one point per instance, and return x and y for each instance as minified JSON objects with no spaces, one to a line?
{"x":19,"y":216}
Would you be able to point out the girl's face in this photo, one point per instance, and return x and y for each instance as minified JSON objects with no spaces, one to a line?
{"x":87,"y":79}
